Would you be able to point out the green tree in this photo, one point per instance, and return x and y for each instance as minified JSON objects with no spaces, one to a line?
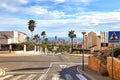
{"x":72,"y":35}
{"x":43,"y":34}
{"x":31,"y":26}
{"x":27,"y":38}
{"x":46,"y":40}
{"x":36,"y":38}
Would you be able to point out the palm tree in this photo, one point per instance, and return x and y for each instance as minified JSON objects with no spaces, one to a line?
{"x":37,"y":38}
{"x":27,"y":38}
{"x":43,"y":34}
{"x":37,"y":41}
{"x":46,"y":40}
{"x":31,"y":26}
{"x":72,"y":35}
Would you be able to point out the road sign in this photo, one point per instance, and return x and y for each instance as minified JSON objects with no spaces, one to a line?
{"x":114,"y":36}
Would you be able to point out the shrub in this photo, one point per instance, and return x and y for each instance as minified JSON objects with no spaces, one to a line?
{"x":16,"y":47}
{"x":116,"y":52}
{"x":29,"y":45}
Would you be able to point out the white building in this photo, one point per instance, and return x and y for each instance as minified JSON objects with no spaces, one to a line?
{"x":104,"y":37}
{"x":9,"y":37}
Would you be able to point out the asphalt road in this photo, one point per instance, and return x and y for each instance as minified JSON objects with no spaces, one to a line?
{"x":42,"y":67}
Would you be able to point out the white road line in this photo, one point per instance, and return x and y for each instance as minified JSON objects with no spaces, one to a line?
{"x":63,"y":66}
{"x":42,"y":77}
{"x":78,"y":70}
{"x":55,"y":77}
{"x":24,"y":72}
{"x":49,"y":68}
{"x":68,"y":77}
{"x":17,"y":77}
{"x":81,"y":77}
{"x":30,"y":77}
{"x":2,"y":72}
{"x":5,"y":77}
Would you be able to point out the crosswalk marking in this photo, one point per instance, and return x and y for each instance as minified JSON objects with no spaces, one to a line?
{"x":55,"y":77}
{"x":17,"y":77}
{"x":5,"y":77}
{"x":81,"y":77}
{"x":68,"y":77}
{"x":42,"y":77}
{"x":30,"y":77}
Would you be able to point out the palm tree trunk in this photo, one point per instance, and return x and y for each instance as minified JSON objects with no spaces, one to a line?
{"x":72,"y":42}
{"x":32,"y":35}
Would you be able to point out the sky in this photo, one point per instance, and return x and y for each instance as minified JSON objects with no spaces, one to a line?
{"x":58,"y":17}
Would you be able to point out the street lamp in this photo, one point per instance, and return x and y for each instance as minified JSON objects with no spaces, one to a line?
{"x":83,"y":52}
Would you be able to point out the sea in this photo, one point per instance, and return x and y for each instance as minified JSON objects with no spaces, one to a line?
{"x":65,"y":38}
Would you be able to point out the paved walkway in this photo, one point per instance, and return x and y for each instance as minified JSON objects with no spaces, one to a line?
{"x":92,"y":74}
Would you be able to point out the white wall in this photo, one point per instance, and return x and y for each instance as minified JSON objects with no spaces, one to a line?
{"x":15,"y":37}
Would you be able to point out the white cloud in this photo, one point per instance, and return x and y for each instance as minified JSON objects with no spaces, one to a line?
{"x":22,"y":1}
{"x":97,"y":18}
{"x":4,"y":6}
{"x":84,"y":1}
{"x":42,"y":12}
{"x":12,"y":5}
{"x":58,"y":1}
{"x":116,"y":26}
{"x":87,"y":22}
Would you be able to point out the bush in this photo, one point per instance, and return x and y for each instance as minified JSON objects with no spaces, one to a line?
{"x":16,"y":47}
{"x":116,"y":52}
{"x":29,"y":45}
{"x":4,"y":47}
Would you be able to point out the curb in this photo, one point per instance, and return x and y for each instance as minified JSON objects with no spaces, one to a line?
{"x":2,"y":72}
{"x":82,"y":72}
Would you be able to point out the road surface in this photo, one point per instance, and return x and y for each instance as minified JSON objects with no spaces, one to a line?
{"x":42,"y":67}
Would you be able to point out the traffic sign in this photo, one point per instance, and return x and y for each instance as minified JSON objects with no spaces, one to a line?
{"x":114,"y":36}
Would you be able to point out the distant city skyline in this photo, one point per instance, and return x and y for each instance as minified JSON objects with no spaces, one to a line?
{"x":58,"y":17}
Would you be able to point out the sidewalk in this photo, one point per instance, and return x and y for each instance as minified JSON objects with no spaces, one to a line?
{"x":82,"y":54}
{"x":92,"y":74}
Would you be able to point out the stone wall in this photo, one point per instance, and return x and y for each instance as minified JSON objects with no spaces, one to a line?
{"x":94,"y":63}
{"x":116,"y":66}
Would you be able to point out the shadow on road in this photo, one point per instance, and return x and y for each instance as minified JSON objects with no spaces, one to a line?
{"x":26,"y":69}
{"x":69,"y":71}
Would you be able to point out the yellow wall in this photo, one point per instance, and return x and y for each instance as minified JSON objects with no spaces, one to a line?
{"x":116,"y":70}
{"x":94,"y":63}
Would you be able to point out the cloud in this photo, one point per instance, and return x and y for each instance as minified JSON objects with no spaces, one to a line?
{"x":97,"y":18}
{"x":44,"y":13}
{"x":22,"y":1}
{"x":58,"y":1}
{"x":4,"y":6}
{"x":12,"y":6}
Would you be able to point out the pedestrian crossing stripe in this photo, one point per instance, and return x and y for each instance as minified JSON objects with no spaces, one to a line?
{"x":114,"y":36}
{"x":42,"y":77}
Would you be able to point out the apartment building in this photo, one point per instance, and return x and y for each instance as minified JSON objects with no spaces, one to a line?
{"x":92,"y":41}
{"x":9,"y":37}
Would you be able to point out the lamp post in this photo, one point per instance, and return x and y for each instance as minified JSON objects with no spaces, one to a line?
{"x":83,"y":52}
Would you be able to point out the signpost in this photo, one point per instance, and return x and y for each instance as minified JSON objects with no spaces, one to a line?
{"x":113,"y":37}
